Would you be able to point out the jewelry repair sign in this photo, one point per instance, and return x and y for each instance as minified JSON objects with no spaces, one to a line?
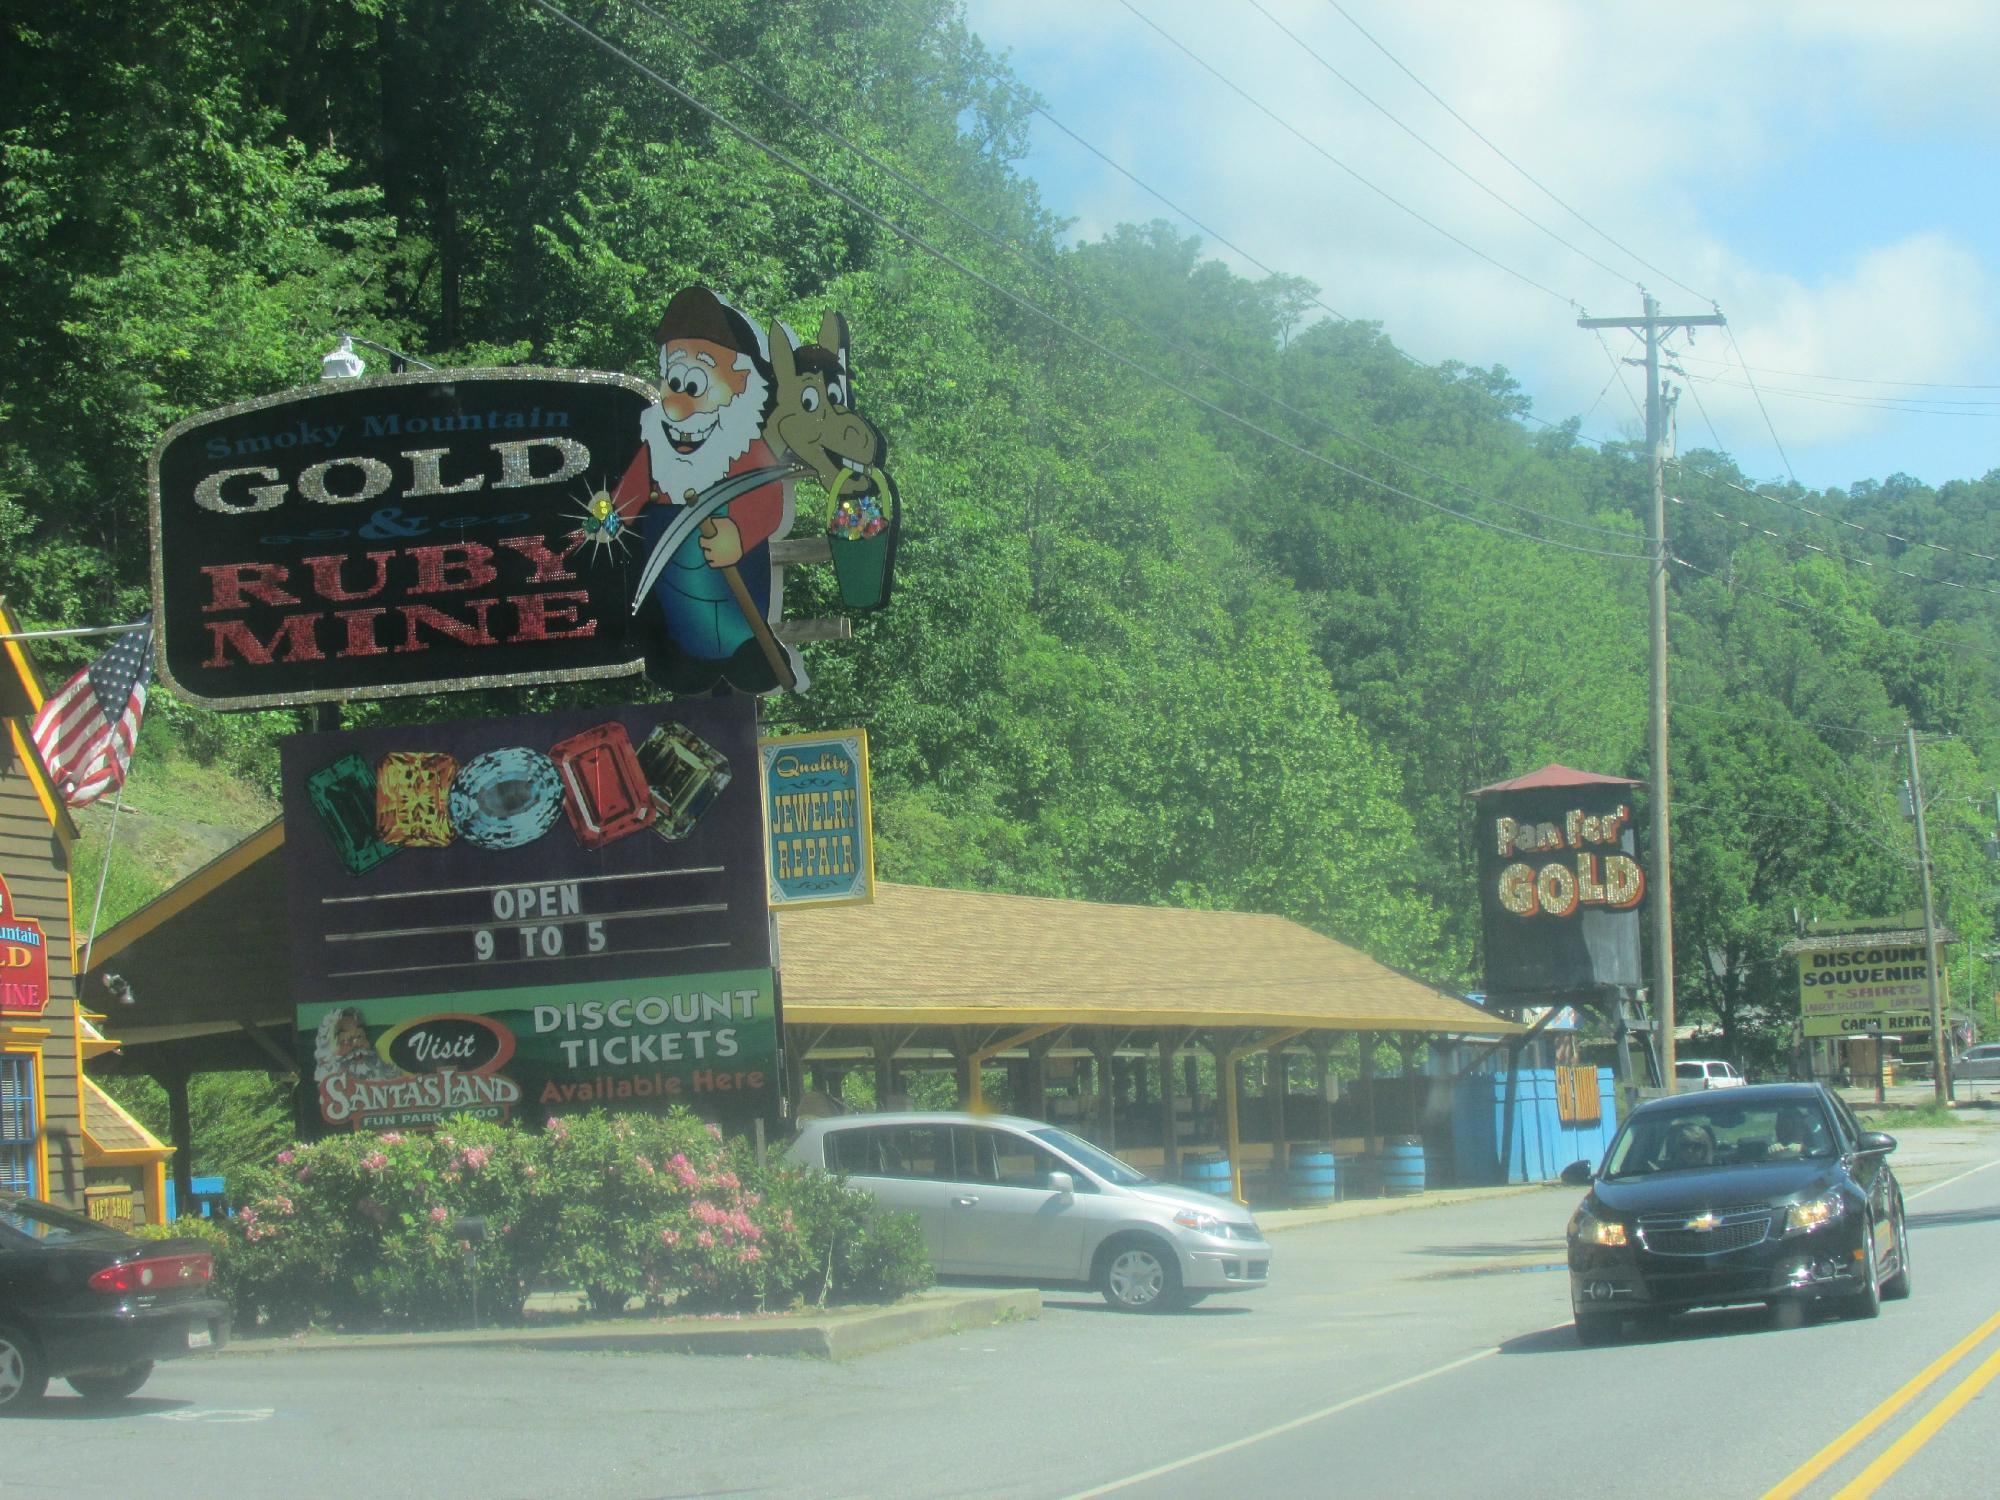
{"x":523,"y":917}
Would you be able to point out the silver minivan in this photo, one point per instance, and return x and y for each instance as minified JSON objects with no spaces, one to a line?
{"x":1005,"y":1197}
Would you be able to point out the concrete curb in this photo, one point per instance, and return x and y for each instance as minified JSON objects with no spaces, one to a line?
{"x":837,"y":1335}
{"x":1274,"y":1221}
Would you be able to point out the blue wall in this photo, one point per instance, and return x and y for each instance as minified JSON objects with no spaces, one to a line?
{"x":1543,"y":1144}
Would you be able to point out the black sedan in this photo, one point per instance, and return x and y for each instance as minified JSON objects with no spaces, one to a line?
{"x":95,"y":1306}
{"x":1769,"y":1194}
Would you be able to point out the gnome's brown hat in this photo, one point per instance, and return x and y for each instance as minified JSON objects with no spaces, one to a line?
{"x":697,"y":313}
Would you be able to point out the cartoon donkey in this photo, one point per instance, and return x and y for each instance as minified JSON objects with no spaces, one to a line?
{"x":814,"y":424}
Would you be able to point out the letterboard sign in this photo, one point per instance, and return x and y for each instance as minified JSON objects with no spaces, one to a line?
{"x":1560,"y":885}
{"x":398,"y":534}
{"x":531,"y":916}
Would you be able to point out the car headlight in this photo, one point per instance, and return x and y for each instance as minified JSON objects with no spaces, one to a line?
{"x":1201,"y":1223}
{"x":1815,"y":1213}
{"x":1587,"y":1229}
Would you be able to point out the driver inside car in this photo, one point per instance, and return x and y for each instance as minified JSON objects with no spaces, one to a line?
{"x":1690,"y":1144}
{"x":1799,"y":1133}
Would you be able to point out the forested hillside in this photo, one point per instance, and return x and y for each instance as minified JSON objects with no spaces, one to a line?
{"x":1183,"y":616}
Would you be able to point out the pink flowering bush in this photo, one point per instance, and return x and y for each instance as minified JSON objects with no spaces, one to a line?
{"x":363,"y":1230}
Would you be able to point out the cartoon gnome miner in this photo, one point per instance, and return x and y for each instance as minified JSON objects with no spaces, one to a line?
{"x":713,"y":604}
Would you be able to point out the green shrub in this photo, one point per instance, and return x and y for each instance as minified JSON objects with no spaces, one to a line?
{"x":362,"y":1231}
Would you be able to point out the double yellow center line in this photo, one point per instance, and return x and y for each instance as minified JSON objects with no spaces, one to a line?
{"x":1899,"y":1452}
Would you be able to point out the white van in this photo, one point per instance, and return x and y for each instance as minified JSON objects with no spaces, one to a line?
{"x":1006,"y":1197}
{"x":1703,"y":1073}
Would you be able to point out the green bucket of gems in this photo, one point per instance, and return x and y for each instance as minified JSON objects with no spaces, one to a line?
{"x":863,"y":538}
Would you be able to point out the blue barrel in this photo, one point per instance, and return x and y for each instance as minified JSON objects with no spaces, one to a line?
{"x":1312,"y":1176}
{"x":1402,"y":1166}
{"x":1207,"y":1173}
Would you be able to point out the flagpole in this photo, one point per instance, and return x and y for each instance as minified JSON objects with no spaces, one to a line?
{"x":97,"y":906}
{"x":72,"y":630}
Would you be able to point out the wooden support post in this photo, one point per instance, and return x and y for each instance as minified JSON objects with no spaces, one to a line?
{"x":964,"y":1070}
{"x":1322,"y":1071}
{"x":885,"y":1067}
{"x":1169,"y":1137}
{"x":1407,"y":1045}
{"x":1368,"y":1089}
{"x":1227,"y":1065}
{"x":1275,"y":1084}
{"x":1038,"y":1077}
{"x":1107,"y":1099}
{"x":180,"y":1134}
{"x":976,"y":1062}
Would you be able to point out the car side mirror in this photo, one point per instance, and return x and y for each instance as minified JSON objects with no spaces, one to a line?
{"x":1062,"y":1185}
{"x":1874,"y":1143}
{"x":1577,"y":1174}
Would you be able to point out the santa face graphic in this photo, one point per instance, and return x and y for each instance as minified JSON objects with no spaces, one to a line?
{"x":711,"y":406}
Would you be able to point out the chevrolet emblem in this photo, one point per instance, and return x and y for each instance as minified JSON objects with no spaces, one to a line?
{"x":1703,"y":1223}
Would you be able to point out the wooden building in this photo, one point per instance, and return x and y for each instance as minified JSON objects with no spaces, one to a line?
{"x":62,"y":1139}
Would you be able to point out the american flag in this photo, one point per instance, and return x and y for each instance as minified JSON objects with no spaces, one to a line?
{"x":86,"y":732}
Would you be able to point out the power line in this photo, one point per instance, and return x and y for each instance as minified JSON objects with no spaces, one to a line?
{"x":944,"y":257}
{"x":1536,"y":181}
{"x":1917,"y":406}
{"x":1035,"y":261}
{"x":1932,"y":385}
{"x":1734,"y":586}
{"x":1379,"y":191}
{"x":1799,"y":505}
{"x":1389,"y":115}
{"x":1738,"y":351}
{"x":1842,"y":557}
{"x":1732,"y":714}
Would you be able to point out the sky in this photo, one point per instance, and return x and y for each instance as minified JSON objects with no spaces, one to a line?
{"x":1821,"y":170}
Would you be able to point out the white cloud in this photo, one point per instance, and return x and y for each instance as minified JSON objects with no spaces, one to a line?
{"x":1717,"y":140}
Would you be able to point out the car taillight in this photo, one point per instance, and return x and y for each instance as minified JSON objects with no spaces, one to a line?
{"x":157,"y":1273}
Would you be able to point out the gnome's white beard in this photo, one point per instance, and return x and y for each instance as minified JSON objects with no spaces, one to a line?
{"x":735,"y":427}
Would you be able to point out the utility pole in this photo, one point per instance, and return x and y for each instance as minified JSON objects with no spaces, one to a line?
{"x":1655,"y":327}
{"x":1940,"y":1082}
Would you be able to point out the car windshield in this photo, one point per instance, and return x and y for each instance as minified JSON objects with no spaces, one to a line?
{"x":26,"y":1219}
{"x":1720,"y":1135}
{"x":1106,"y":1166}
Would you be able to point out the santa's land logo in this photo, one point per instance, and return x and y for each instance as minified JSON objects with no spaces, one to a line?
{"x":416,"y":1075}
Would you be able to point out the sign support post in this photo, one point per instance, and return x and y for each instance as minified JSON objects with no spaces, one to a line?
{"x":1940,"y":1082}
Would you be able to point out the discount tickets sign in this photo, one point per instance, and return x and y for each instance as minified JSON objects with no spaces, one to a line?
{"x":530,"y":916}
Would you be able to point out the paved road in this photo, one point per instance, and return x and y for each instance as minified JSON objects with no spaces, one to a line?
{"x":1419,"y":1353}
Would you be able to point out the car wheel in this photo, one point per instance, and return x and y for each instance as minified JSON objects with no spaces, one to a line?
{"x":22,"y":1378}
{"x":1595,"y":1329}
{"x":111,"y":1385}
{"x":1897,"y":1287}
{"x":1867,"y":1303}
{"x":1139,"y":1275}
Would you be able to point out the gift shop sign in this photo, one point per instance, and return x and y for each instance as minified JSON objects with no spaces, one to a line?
{"x":24,"y":960}
{"x":533,"y":915}
{"x":404,"y":534}
{"x":1867,"y":988}
{"x":818,"y":822}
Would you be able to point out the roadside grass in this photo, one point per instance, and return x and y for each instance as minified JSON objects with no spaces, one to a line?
{"x":178,"y":814}
{"x":1932,"y":1115}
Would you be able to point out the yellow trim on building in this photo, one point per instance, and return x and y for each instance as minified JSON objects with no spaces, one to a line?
{"x":33,"y":1050}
